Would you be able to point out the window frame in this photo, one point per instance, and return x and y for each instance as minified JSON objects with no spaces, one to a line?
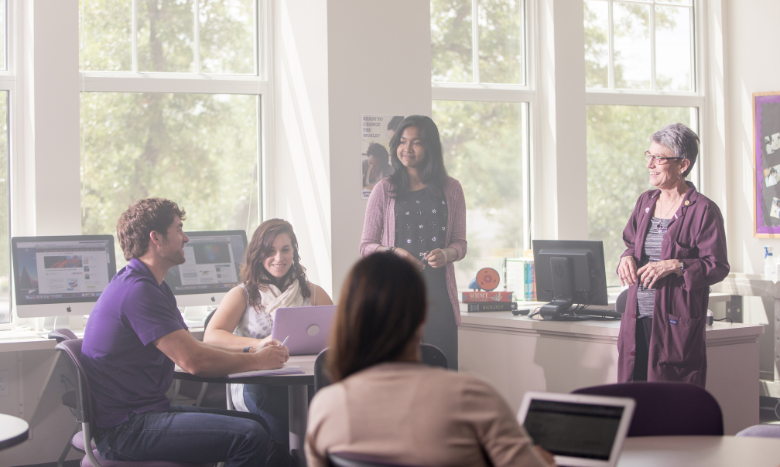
{"x":506,"y":93}
{"x":258,"y":84}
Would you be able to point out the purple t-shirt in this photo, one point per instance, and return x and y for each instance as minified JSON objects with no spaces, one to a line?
{"x":127,"y":373}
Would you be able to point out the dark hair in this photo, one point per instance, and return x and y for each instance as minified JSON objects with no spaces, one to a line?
{"x":433,"y":173}
{"x":380,"y":152}
{"x":681,"y":140}
{"x":140,"y":219}
{"x":381,"y":307}
{"x":393,"y":123}
{"x":253,"y":272}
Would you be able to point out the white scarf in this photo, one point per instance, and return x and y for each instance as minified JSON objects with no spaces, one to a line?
{"x":271,"y":298}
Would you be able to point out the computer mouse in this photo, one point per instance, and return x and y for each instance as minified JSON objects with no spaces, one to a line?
{"x":521,"y":311}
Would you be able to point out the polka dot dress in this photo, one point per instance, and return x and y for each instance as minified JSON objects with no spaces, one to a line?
{"x":420,"y":222}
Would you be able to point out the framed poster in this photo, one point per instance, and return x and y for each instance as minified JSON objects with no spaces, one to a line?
{"x":766,"y":148}
{"x":376,"y":131}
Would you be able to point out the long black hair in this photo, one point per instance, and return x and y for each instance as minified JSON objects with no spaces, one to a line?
{"x":432,"y":173}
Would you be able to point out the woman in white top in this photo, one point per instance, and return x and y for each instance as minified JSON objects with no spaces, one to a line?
{"x":272,"y":277}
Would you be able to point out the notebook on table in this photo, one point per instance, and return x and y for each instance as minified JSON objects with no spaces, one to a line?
{"x":308,"y":328}
{"x":579,"y":430}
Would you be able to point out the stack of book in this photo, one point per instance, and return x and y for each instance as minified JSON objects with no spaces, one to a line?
{"x":487,"y":301}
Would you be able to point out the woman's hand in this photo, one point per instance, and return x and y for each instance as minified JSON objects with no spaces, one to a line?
{"x":271,"y":355}
{"x":436,"y":258}
{"x":627,"y":271}
{"x":651,"y":272}
{"x":409,"y":257}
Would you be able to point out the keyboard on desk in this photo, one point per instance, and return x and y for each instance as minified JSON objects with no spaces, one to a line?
{"x":598,"y":312}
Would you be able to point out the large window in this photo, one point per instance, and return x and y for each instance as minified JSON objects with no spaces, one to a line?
{"x":170,"y":107}
{"x":481,"y":105}
{"x":640,"y":76}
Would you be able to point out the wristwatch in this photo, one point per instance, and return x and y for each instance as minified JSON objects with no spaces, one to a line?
{"x":390,"y":249}
{"x":681,"y":266}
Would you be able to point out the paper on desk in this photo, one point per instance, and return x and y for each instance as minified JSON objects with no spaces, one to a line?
{"x":285,"y":370}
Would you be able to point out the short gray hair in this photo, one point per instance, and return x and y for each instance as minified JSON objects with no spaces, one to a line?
{"x":682,"y":141}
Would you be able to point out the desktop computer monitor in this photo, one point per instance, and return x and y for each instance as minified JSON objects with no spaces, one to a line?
{"x":569,"y":272}
{"x":212,"y":267}
{"x":62,"y":275}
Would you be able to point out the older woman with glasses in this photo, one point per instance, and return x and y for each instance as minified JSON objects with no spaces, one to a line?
{"x":675,"y":250}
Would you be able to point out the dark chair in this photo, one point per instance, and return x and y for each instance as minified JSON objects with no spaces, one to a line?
{"x":620,"y":303}
{"x":72,"y":348}
{"x":355,"y":460}
{"x":666,"y":409}
{"x":761,"y":431}
{"x":211,"y":393}
{"x":430,"y":354}
{"x":69,"y":401}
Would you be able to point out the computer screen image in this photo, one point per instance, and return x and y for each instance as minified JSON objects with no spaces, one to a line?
{"x":212,"y":267}
{"x":569,"y":272}
{"x":61,"y":275}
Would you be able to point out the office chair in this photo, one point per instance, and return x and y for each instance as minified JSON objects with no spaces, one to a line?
{"x":69,"y":401}
{"x":355,"y":460}
{"x":72,"y":348}
{"x":211,"y":393}
{"x":666,"y":409}
{"x":430,"y":354}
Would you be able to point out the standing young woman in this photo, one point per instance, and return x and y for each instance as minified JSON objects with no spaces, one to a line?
{"x":419,"y":213}
{"x":272,"y":277}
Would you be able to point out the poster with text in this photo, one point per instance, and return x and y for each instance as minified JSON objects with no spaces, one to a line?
{"x":376,"y":132}
{"x":766,"y":131}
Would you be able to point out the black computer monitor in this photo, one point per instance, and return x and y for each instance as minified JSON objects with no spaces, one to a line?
{"x":212,"y":267}
{"x":569,"y":272}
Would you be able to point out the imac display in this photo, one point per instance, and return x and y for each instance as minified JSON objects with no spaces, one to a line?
{"x":212,"y":267}
{"x":569,"y":273}
{"x":61,"y":276}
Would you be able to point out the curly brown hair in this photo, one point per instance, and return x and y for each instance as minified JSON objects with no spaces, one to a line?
{"x":140,"y":219}
{"x":254,"y":274}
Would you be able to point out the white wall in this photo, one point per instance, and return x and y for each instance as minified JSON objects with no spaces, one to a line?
{"x":334,"y":61}
{"x":751,"y":47}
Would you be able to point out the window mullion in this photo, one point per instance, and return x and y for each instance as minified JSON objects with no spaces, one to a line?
{"x":653,"y":83}
{"x":135,"y":36}
{"x":611,"y":43}
{"x":475,"y":39}
{"x":196,"y":34}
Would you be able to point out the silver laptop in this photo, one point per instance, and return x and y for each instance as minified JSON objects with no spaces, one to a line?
{"x":579,"y":430}
{"x":308,"y":328}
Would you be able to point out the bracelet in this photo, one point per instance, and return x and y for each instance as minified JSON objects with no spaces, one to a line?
{"x":246,"y":349}
{"x":390,"y":249}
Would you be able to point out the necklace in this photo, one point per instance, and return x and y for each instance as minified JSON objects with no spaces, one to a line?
{"x":661,"y":228}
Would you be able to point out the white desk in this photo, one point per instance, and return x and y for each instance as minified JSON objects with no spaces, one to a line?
{"x":13,"y":430}
{"x":700,"y":451}
{"x":517,"y":354}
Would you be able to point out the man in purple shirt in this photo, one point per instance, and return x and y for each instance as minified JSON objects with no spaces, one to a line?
{"x":134,"y":336}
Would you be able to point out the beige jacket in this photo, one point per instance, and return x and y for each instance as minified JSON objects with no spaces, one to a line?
{"x":416,"y":415}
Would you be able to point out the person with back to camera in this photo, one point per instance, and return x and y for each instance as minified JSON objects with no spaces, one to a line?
{"x":134,"y":336}
{"x":272,"y":277}
{"x":386,"y":404}
{"x":675,"y":250}
{"x":419,"y":213}
{"x":378,"y":166}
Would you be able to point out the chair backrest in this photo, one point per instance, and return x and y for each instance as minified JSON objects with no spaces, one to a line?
{"x":355,"y":460}
{"x":208,"y":318}
{"x":433,"y":356}
{"x":72,"y":348}
{"x":62,"y":334}
{"x":666,"y":409}
{"x":320,"y":378}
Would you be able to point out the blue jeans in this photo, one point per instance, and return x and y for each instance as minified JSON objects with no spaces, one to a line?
{"x":270,"y":402}
{"x":187,"y":434}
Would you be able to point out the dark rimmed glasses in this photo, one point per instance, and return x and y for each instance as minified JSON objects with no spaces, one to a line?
{"x":660,"y":160}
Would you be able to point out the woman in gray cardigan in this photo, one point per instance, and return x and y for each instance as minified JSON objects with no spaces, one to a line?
{"x":419,"y":213}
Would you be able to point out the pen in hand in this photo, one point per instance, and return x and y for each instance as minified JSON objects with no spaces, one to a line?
{"x":285,"y":340}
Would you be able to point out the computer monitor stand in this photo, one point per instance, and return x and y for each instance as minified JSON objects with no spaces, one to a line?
{"x":563,"y":288}
{"x":74,"y":323}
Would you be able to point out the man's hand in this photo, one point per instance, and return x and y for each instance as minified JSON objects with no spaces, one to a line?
{"x":271,"y":355}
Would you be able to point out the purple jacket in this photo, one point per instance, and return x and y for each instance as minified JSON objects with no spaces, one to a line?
{"x":696,"y":236}
{"x":379,"y":228}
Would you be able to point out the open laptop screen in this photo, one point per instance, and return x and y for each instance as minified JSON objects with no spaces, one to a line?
{"x":586,"y":431}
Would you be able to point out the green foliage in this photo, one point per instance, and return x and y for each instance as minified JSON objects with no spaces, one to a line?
{"x":451,"y":48}
{"x":618,"y":136}
{"x":501,"y":44}
{"x":105,"y":35}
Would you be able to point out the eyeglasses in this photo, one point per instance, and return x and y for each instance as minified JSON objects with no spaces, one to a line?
{"x":660,"y":160}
